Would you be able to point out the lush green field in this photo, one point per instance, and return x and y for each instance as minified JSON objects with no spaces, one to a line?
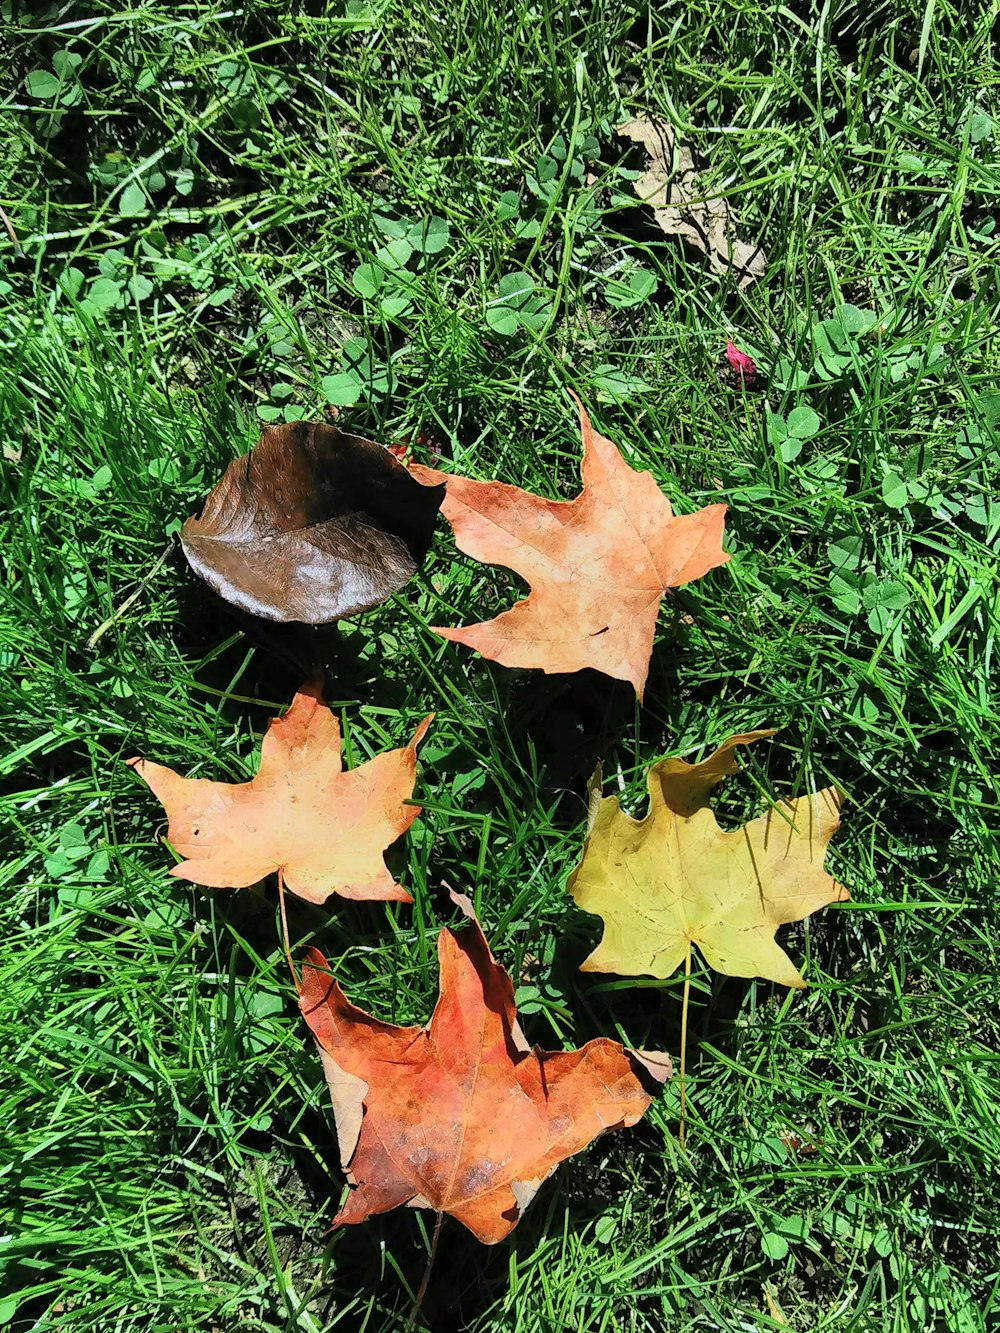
{"x":211,"y":204}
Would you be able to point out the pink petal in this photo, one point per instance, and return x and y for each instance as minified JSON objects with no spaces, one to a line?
{"x":740,"y":361}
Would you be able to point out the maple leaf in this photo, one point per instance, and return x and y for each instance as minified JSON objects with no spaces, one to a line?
{"x":462,"y":1116}
{"x":313,"y":525}
{"x":325,"y":830}
{"x":674,"y":878}
{"x":598,"y":565}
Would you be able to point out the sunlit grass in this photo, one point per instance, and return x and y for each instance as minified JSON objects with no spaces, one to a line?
{"x":171,"y":1159}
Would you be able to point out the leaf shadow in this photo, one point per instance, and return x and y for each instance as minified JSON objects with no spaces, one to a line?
{"x":284,"y":656}
{"x":644,"y":1012}
{"x":465,"y":1279}
{"x":563,"y":726}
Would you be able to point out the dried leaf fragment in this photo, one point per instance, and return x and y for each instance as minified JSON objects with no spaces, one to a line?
{"x":672,"y":188}
{"x":462,"y":1116}
{"x":674,"y":878}
{"x":323,"y":828}
{"x":314,"y":524}
{"x":598,"y":565}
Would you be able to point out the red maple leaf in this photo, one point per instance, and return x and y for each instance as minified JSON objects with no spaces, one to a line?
{"x":463,"y":1116}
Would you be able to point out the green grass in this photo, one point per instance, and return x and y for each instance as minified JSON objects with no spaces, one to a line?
{"x":195,"y":190}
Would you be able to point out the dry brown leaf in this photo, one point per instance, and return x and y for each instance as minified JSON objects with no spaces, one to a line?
{"x":313,"y":525}
{"x":672,"y":188}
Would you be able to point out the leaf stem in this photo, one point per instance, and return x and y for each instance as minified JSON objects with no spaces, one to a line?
{"x":684,"y":1042}
{"x":284,"y":929}
{"x":425,"y":1280}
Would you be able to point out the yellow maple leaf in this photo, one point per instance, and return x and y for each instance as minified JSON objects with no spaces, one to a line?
{"x":675,"y":878}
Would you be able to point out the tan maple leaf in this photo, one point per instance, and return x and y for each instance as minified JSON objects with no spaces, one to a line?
{"x":673,"y":189}
{"x":598,"y":565}
{"x":324,"y":829}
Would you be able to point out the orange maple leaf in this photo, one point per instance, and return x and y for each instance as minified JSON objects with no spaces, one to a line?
{"x":462,"y":1116}
{"x":325,"y":830}
{"x":598,"y":565}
